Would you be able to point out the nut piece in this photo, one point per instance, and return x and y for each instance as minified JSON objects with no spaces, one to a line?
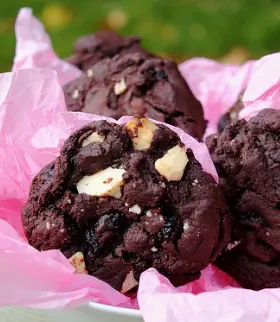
{"x":129,"y":282}
{"x":136,"y":209}
{"x":141,"y":132}
{"x":172,"y":164}
{"x":76,"y":94}
{"x":120,"y":87}
{"x":107,"y":182}
{"x":78,"y":262}
{"x":90,"y":73}
{"x":94,"y":137}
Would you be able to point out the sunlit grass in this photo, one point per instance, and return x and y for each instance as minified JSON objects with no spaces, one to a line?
{"x":235,"y":30}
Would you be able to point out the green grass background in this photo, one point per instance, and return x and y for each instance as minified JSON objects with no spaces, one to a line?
{"x":227,"y":29}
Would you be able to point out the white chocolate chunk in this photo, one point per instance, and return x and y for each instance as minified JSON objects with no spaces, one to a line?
{"x":136,"y":209}
{"x":90,"y":73}
{"x":107,"y":182}
{"x":186,"y":226}
{"x":141,"y":132}
{"x":129,"y":282}
{"x":93,"y":137}
{"x":172,"y":165}
{"x":78,"y":262}
{"x":76,"y":94}
{"x":120,"y":87}
{"x":230,"y":246}
{"x":149,"y":213}
{"x":154,"y":249}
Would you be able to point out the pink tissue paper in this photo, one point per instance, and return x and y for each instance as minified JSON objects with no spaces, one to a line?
{"x":33,"y":125}
{"x":34,"y":48}
{"x":263,"y":89}
{"x":217,"y":86}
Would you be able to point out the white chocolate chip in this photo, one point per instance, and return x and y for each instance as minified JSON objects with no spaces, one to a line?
{"x":149,"y":213}
{"x":186,"y":226}
{"x":120,"y":87}
{"x":48,"y":225}
{"x":78,"y":262}
{"x":154,"y":249}
{"x":62,"y":230}
{"x":141,"y":132}
{"x":161,"y":218}
{"x":162,"y":184}
{"x":195,"y":182}
{"x":94,"y":137}
{"x":107,"y":182}
{"x":230,"y":246}
{"x":90,"y":73}
{"x":136,"y":209}
{"x":172,"y":165}
{"x":69,"y":201}
{"x":129,"y":282}
{"x":76,"y":94}
{"x":126,"y":204}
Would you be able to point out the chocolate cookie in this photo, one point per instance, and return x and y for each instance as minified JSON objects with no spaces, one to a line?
{"x":121,"y":199}
{"x":247,"y":158}
{"x":135,"y":85}
{"x":232,"y":114}
{"x":90,"y":49}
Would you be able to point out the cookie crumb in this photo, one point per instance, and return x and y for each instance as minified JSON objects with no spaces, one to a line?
{"x":186,"y":226}
{"x":230,"y":246}
{"x":195,"y":182}
{"x":149,"y":213}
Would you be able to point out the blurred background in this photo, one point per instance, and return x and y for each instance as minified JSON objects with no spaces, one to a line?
{"x":226,"y":30}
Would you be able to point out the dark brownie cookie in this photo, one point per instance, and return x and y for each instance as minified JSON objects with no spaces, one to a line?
{"x":232,"y":114}
{"x":90,"y":49}
{"x":247,"y":158}
{"x":135,"y":85}
{"x":121,"y":199}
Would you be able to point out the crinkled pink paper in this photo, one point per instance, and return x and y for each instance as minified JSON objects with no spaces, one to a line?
{"x":216,"y":85}
{"x":263,"y":90}
{"x":34,"y":48}
{"x":33,"y":127}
